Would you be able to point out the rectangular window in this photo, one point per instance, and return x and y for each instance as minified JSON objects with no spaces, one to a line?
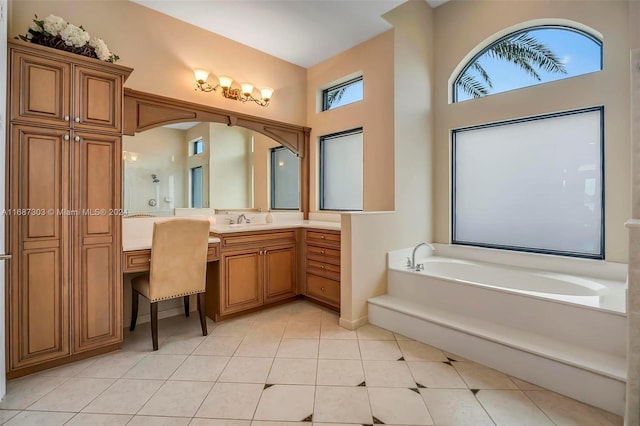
{"x":343,"y":94}
{"x":198,"y":147}
{"x":285,"y":179}
{"x":341,"y":171}
{"x":196,"y":187}
{"x":533,"y":184}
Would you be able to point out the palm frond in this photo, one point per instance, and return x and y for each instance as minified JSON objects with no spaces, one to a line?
{"x":525,"y":48}
{"x":483,"y":73}
{"x":471,"y":86}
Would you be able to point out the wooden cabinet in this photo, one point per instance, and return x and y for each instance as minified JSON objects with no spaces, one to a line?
{"x":322,"y":266}
{"x":138,"y":260}
{"x":255,"y":269}
{"x":64,"y":199}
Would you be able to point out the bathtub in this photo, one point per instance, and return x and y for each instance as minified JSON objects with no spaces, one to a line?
{"x":559,"y":323}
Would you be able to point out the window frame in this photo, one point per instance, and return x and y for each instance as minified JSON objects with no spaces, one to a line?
{"x":601,"y":255}
{"x":273,"y":180}
{"x":192,"y":187}
{"x":197,"y":143}
{"x":598,"y":41}
{"x":321,"y":160}
{"x":325,"y":92}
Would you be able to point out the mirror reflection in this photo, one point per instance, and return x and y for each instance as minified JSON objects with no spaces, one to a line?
{"x":206,"y":165}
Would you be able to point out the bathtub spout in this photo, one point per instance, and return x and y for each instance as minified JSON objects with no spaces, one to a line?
{"x":413,"y":255}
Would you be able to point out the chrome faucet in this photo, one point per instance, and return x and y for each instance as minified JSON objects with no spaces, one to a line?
{"x":412,"y":265}
{"x":242,"y":218}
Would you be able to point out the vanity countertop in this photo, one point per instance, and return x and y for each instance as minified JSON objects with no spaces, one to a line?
{"x":248,"y":227}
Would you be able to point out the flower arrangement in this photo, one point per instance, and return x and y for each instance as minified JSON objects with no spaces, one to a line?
{"x":53,"y":31}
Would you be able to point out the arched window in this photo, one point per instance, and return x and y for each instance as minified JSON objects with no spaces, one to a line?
{"x":527,"y":57}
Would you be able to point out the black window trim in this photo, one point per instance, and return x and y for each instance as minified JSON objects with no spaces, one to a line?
{"x":601,"y":255}
{"x":273,"y":180}
{"x":324,"y":138}
{"x":454,"y":94}
{"x":325,"y":106}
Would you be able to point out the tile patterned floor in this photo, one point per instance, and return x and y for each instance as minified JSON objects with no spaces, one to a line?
{"x":288,"y":365}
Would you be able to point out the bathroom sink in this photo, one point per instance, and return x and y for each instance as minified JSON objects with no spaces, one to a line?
{"x":246,"y":225}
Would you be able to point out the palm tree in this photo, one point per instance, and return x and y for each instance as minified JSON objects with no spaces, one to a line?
{"x":523,"y":50}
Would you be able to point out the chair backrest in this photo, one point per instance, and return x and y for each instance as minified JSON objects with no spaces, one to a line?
{"x":178,"y":258}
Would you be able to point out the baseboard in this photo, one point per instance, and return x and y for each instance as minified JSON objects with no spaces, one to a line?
{"x":352,"y":325}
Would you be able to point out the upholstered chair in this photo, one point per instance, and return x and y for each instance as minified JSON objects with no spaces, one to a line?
{"x":178,"y":269}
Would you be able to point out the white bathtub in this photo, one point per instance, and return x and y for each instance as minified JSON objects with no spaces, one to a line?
{"x":556,"y":322}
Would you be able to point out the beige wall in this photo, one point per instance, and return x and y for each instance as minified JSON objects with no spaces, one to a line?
{"x":463,"y":25}
{"x":230,"y":171}
{"x":367,"y":237}
{"x":373,"y":59}
{"x":164,"y":51}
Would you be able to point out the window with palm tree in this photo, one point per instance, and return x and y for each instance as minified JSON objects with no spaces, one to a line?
{"x":527,"y":57}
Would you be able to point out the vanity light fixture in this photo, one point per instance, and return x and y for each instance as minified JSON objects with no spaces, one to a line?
{"x":244,"y":94}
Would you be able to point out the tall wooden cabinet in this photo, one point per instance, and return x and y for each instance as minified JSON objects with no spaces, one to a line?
{"x":64,"y":283}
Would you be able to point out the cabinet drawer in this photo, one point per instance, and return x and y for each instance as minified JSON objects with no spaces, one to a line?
{"x":323,"y":254}
{"x":325,"y":269}
{"x":213,"y":252}
{"x":324,"y":289}
{"x":136,"y":261}
{"x":257,"y":239}
{"x":324,"y":237}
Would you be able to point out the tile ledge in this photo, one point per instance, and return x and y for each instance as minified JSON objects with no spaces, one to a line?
{"x":632,"y":223}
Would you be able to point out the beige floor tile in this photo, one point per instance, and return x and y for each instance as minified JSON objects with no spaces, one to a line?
{"x":246,"y":370}
{"x":126,"y":396}
{"x":5,"y":415}
{"x":400,"y":337}
{"x":522,"y":385}
{"x":87,"y":419}
{"x":219,"y":346}
{"x":339,"y":372}
{"x":371,"y":332}
{"x":388,"y":374}
{"x":258,"y":347}
{"x":298,"y":348}
{"x":154,"y":366}
{"x":480,"y":377}
{"x":231,"y":401}
{"x":436,"y":375}
{"x":417,"y":351}
{"x":379,"y":350}
{"x":25,"y":391}
{"x":455,"y":357}
{"x":339,"y":349}
{"x":334,"y":331}
{"x":511,"y":407}
{"x":314,"y":317}
{"x":177,"y":399}
{"x":201,"y":368}
{"x":455,"y":407}
{"x":287,"y":371}
{"x":398,"y":406}
{"x":68,"y":370}
{"x":39,"y":418}
{"x":112,"y":366}
{"x":219,"y":422}
{"x":335,"y":424}
{"x":158,"y":421}
{"x":302,"y":330}
{"x":268,"y":423}
{"x":274,"y":329}
{"x":565,"y":411}
{"x":285,"y":403}
{"x":236,"y":328}
{"x":342,"y":404}
{"x":180,"y":344}
{"x":72,"y":396}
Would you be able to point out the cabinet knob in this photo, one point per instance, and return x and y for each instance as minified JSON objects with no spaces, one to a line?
{"x":322,"y":237}
{"x":321,"y":266}
{"x":77,"y":138}
{"x":66,"y":137}
{"x":66,"y":118}
{"x":322,"y":288}
{"x":321,"y":251}
{"x":77,"y":120}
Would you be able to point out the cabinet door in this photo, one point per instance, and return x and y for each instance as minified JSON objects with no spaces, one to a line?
{"x":279,"y":272}
{"x":241,"y":278}
{"x":40,"y":89}
{"x":97,"y":278}
{"x":38,"y":284}
{"x":97,"y":100}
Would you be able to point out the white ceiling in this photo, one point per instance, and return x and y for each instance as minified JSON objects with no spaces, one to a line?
{"x":303,"y":32}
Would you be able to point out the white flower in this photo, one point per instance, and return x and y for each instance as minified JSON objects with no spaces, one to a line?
{"x":74,"y":36}
{"x":101,"y":48}
{"x":54,"y":24}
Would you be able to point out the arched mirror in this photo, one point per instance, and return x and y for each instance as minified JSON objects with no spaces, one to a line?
{"x":217,"y":160}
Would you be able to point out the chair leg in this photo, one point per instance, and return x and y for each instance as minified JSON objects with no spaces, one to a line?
{"x":134,"y":309}
{"x":201,"y":309}
{"x":154,"y":325}
{"x":186,"y":306}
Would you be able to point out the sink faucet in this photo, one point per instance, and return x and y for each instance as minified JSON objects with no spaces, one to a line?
{"x":413,"y":255}
{"x":242,"y":218}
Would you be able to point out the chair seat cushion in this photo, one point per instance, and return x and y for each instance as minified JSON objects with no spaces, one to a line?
{"x":141,"y":284}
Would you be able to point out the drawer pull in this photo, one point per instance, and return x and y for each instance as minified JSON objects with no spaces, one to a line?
{"x":322,"y":237}
{"x":321,"y":266}
{"x":149,"y":260}
{"x":322,"y":288}
{"x":321,"y":251}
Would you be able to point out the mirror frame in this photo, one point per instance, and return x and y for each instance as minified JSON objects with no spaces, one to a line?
{"x":144,"y":111}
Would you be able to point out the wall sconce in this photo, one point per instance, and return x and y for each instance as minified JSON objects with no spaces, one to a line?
{"x":243,"y":94}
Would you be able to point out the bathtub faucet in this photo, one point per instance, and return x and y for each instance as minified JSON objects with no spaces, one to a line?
{"x":413,"y":255}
